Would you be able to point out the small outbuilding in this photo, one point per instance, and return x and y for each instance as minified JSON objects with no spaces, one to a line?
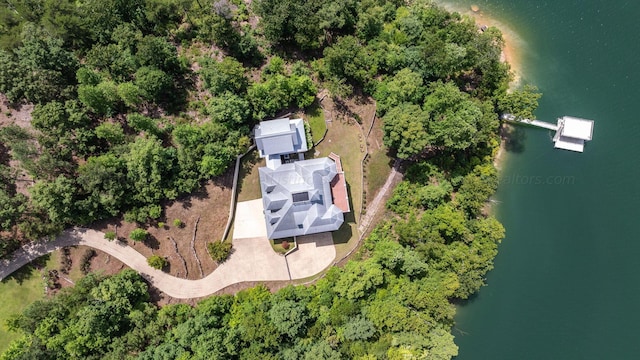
{"x":572,"y":133}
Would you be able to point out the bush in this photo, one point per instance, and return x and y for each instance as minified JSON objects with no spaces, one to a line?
{"x":157,"y":262}
{"x":110,"y":235}
{"x":85,"y":262}
{"x":65,"y":261}
{"x":161,"y":225}
{"x":138,"y":234}
{"x":308,"y":134}
{"x":285,"y":245}
{"x":219,"y":251}
{"x":178,"y":223}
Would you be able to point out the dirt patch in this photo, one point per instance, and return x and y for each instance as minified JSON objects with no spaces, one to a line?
{"x":19,"y":115}
{"x":66,"y":266}
{"x":210,"y":205}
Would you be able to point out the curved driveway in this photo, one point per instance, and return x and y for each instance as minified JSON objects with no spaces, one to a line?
{"x":252,"y":259}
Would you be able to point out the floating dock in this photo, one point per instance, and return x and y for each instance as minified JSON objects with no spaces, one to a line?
{"x":571,"y":132}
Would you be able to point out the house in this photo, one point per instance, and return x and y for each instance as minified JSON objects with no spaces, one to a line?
{"x":278,"y":139}
{"x":298,"y":197}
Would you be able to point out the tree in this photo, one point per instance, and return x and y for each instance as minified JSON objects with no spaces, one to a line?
{"x":113,"y":60}
{"x":130,"y":94}
{"x":223,"y":76}
{"x":348,"y":59}
{"x":57,"y":198}
{"x":406,"y":86}
{"x":39,"y":71}
{"x":521,"y":102}
{"x":405,"y":130}
{"x":149,"y":170}
{"x":155,"y":84}
{"x":11,"y":209}
{"x":104,"y":185}
{"x":110,"y":235}
{"x":143,"y":123}
{"x":289,"y":317}
{"x":476,"y":189}
{"x":111,"y":132}
{"x":58,"y":119}
{"x":138,"y":234}
{"x":229,"y":108}
{"x":357,"y":328}
{"x":103,"y":98}
{"x":157,"y":53}
{"x":157,"y":262}
{"x":359,"y":279}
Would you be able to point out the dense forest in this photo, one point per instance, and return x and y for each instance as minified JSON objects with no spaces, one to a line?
{"x":129,"y":113}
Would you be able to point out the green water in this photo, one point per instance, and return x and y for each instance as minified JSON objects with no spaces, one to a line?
{"x":566,"y":284}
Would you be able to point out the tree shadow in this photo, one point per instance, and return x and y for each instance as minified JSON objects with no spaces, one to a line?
{"x":167,"y":268}
{"x":152,"y":242}
{"x":343,"y":109}
{"x":468,"y":301}
{"x":514,"y":137}
{"x":27,"y":271}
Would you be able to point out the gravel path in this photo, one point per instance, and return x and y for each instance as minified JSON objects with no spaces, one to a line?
{"x":374,"y":206}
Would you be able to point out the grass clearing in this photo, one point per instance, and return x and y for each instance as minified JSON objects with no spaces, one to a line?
{"x":249,"y":183}
{"x":315,"y":116}
{"x":18,"y":291}
{"x":345,"y":139}
{"x":377,"y":170}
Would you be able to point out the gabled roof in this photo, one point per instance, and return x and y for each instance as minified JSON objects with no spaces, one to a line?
{"x":297,"y":198}
{"x":280,"y":136}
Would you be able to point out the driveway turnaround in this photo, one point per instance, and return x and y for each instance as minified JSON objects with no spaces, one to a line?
{"x":314,"y":254}
{"x":252,"y":259}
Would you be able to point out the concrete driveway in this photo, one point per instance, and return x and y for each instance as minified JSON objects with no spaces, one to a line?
{"x":315,"y":253}
{"x":252,"y":258}
{"x":249,"y":220}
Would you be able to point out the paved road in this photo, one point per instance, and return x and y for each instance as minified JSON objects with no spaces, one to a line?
{"x":252,"y":259}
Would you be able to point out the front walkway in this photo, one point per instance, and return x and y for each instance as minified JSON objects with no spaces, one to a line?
{"x":252,"y":258}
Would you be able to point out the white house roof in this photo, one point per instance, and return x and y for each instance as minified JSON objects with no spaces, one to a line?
{"x":280,"y":136}
{"x":576,"y":128}
{"x":277,"y":126}
{"x":297,"y":198}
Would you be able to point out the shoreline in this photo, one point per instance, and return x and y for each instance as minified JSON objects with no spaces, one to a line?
{"x":511,"y":51}
{"x":511,"y":54}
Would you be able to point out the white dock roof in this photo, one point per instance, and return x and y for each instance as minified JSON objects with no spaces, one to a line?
{"x":571,"y":144}
{"x":577,"y":128}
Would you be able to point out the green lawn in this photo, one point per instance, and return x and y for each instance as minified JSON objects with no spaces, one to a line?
{"x":377,"y":170}
{"x":249,"y":181}
{"x":344,"y":140}
{"x":315,"y":116}
{"x":18,"y":291}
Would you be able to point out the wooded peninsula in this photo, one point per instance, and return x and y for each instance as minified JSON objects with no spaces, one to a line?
{"x":139,"y":102}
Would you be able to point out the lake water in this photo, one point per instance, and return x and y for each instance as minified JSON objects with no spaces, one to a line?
{"x":566,"y":283}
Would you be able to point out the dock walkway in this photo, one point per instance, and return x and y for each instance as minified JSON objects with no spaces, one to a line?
{"x":537,"y":123}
